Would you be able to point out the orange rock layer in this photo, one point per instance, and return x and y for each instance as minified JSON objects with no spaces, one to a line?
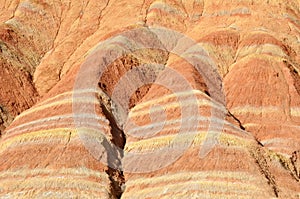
{"x":149,"y":99}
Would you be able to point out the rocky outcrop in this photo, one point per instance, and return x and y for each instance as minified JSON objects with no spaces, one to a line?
{"x":149,"y":99}
{"x":23,"y":42}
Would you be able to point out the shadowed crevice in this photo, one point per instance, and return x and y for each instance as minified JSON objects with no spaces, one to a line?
{"x":118,"y":139}
{"x":237,"y":120}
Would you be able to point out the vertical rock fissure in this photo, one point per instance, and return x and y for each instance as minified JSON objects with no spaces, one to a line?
{"x":118,"y":138}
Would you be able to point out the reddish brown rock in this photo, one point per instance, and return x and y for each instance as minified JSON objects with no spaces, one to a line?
{"x":149,"y":99}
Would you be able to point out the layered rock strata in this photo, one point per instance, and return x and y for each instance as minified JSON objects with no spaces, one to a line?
{"x":149,"y":99}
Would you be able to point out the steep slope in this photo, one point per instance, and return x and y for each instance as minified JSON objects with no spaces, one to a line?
{"x":23,"y":42}
{"x":149,"y":99}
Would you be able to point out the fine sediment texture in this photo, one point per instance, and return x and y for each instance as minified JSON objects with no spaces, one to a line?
{"x":149,"y":99}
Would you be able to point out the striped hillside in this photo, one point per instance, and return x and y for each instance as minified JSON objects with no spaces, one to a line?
{"x":149,"y":99}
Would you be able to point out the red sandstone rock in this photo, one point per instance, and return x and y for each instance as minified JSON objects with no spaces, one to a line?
{"x":97,"y":100}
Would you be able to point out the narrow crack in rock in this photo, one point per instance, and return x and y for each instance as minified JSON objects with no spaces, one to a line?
{"x":295,"y":160}
{"x":118,"y":136}
{"x":116,"y":176}
{"x":261,"y":160}
{"x":236,"y":119}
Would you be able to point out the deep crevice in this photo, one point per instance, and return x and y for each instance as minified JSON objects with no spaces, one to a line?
{"x":118,"y":138}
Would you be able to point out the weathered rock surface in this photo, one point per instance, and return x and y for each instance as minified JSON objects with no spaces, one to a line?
{"x":149,"y":99}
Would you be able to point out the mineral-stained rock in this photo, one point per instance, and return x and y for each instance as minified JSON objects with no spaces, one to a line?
{"x":149,"y":99}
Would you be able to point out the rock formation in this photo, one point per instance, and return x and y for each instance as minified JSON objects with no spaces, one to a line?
{"x":149,"y":99}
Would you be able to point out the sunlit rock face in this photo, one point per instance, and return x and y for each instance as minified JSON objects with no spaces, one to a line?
{"x":149,"y":99}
